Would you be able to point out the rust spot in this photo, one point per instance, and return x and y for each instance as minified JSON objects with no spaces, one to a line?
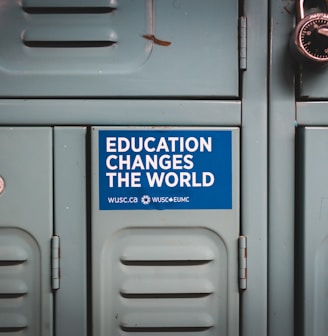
{"x":157,"y":41}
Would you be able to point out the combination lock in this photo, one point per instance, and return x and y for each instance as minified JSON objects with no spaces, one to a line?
{"x":309,"y":42}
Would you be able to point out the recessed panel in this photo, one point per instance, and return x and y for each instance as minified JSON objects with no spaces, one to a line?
{"x":119,"y":48}
{"x":169,"y":280}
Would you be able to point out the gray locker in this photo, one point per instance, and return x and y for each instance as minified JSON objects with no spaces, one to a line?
{"x":25,"y":231}
{"x":166,"y":270}
{"x":119,"y":48}
{"x":312,"y":232}
{"x":172,"y":269}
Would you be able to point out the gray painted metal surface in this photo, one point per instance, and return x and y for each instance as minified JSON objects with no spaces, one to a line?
{"x":312,"y":232}
{"x":70,"y":224}
{"x":123,"y":48}
{"x":26,"y":221}
{"x":254,"y":172}
{"x":281,"y":174}
{"x":119,"y":112}
{"x":312,"y":113}
{"x":313,"y":84}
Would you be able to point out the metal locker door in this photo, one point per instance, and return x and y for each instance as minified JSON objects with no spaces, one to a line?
{"x":70,"y":225}
{"x":312,"y":232}
{"x":25,"y":231}
{"x":120,"y":48}
{"x":165,"y":225}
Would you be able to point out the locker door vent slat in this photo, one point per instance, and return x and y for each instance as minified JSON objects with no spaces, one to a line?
{"x":69,"y":3}
{"x":12,"y":288}
{"x":165,"y":295}
{"x":169,"y":281}
{"x":176,"y":263}
{"x":68,"y":44}
{"x":11,"y":262}
{"x":19,"y":283}
{"x":164,"y":329}
{"x":12,"y":254}
{"x":12,"y":322}
{"x":68,"y":37}
{"x":47,"y":33}
{"x":68,"y":10}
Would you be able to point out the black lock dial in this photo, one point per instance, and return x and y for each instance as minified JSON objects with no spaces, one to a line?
{"x":311,"y":38}
{"x":314,"y":38}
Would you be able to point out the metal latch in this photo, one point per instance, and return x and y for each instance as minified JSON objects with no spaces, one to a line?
{"x":55,"y":262}
{"x":242,"y":244}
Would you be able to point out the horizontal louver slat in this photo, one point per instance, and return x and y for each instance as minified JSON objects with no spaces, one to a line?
{"x":167,"y":320}
{"x":68,"y":10}
{"x":12,"y":254}
{"x":12,"y":321}
{"x":190,"y":254}
{"x":69,"y":3}
{"x":63,"y":37}
{"x":165,"y":285}
{"x":12,"y":287}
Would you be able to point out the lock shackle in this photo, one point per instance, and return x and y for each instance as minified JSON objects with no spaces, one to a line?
{"x":300,"y":9}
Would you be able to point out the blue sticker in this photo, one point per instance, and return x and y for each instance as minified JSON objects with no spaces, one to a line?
{"x":165,"y":169}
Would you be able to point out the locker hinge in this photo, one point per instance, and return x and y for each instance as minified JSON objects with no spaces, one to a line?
{"x":55,"y":262}
{"x":242,"y":244}
{"x":243,"y":43}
